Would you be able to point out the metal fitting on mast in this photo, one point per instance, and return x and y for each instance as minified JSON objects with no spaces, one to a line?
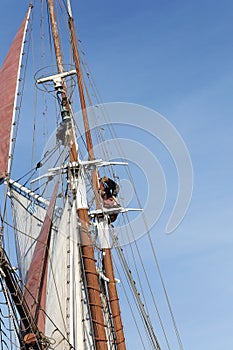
{"x":57,"y":79}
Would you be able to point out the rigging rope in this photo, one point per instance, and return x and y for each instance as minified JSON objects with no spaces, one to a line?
{"x":113,"y":133}
{"x":140,"y":305}
{"x":149,"y":284}
{"x":131,"y":310}
{"x":99,"y":136}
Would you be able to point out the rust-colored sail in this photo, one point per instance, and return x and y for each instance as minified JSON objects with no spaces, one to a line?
{"x":9,"y":78}
{"x":35,"y":293}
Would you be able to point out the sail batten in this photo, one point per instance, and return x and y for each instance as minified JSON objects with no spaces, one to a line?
{"x":9,"y":82}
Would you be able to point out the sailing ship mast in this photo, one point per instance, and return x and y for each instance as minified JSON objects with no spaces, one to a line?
{"x":107,"y":257}
{"x":86,"y":243}
{"x":76,"y":304}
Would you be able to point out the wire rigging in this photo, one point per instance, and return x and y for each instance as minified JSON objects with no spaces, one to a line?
{"x":121,"y":153}
{"x":57,"y":156}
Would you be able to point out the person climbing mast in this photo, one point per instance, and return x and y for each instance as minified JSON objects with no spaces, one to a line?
{"x":109,"y":190}
{"x":108,"y":187}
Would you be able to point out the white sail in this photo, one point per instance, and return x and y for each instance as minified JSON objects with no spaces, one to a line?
{"x":28,"y":218}
{"x":68,"y":321}
{"x":56,"y":328}
{"x":81,"y":315}
{"x":69,"y":298}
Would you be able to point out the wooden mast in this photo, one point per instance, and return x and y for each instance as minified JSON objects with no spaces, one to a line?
{"x":107,"y":255}
{"x":58,"y":53}
{"x":86,"y":243}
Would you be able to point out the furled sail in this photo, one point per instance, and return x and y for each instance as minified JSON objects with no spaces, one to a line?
{"x":9,"y":79}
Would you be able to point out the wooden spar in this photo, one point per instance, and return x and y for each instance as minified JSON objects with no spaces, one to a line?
{"x":92,"y":280}
{"x":91,"y":155}
{"x":56,"y":40}
{"x":107,"y":261}
{"x":87,"y":247}
{"x":60,"y":67}
{"x":113,"y":299}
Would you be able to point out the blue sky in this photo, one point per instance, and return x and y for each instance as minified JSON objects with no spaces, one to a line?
{"x":175,"y":57}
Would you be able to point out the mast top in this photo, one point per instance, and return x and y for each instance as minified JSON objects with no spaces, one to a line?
{"x":69,"y":8}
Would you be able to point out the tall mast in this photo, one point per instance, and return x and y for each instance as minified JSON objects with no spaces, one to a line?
{"x":91,"y":155}
{"x":60,"y":67}
{"x":86,"y":243}
{"x":107,"y":255}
